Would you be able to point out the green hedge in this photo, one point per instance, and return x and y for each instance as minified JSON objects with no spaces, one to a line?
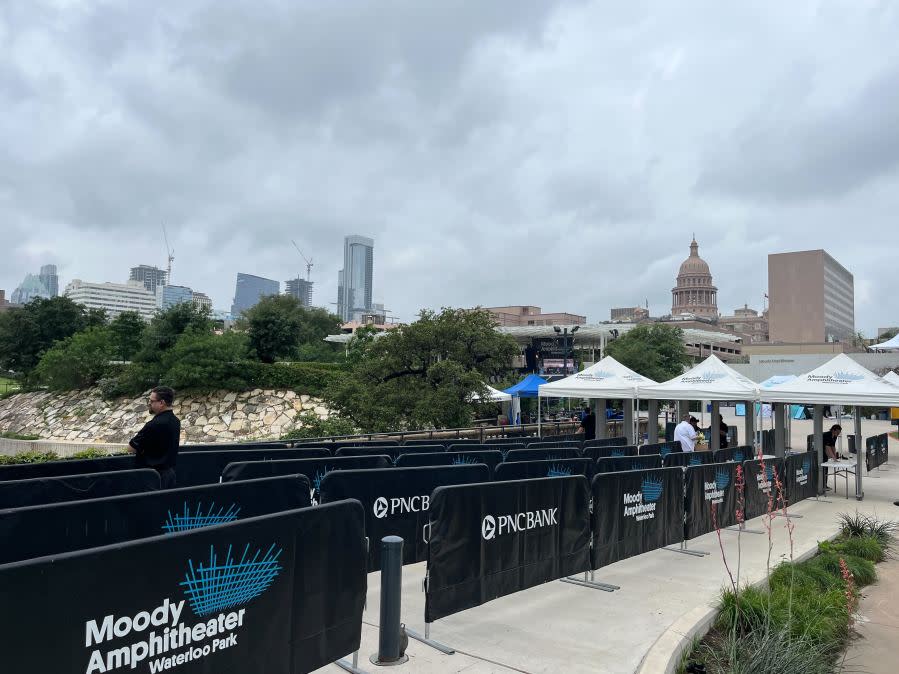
{"x":43,"y":457}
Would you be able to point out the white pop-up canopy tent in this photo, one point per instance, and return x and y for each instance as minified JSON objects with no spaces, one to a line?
{"x":840,"y":381}
{"x":493,"y":396}
{"x":709,"y":380}
{"x":892,"y":378}
{"x":606,"y":379}
{"x":889,"y":345}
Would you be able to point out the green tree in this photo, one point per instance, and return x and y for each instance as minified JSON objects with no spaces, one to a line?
{"x":279,"y":325}
{"x":422,"y":375}
{"x":167,"y":326}
{"x":654,"y":350}
{"x":78,"y":361}
{"x":205,"y":361}
{"x":888,"y":334}
{"x":26,"y":332}
{"x":127,"y":330}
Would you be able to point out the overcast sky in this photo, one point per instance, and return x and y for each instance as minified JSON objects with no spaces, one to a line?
{"x":505,"y":152}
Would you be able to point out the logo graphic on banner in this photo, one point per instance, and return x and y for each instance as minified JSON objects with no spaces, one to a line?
{"x":315,"y":489}
{"x":802,"y":473}
{"x":714,"y":491}
{"x":764,"y":479}
{"x":491,"y":526}
{"x":836,"y":377}
{"x":706,"y":377}
{"x":199,"y":518}
{"x":695,"y":460}
{"x":722,"y":479}
{"x":738,"y":456}
{"x":466,"y":460}
{"x":216,"y":587}
{"x":652,"y":490}
{"x":398,"y":505}
{"x":641,"y":505}
{"x":617,"y":453}
{"x":558,"y":471}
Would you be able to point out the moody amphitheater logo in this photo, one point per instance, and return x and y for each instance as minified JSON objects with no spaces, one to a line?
{"x":839,"y":377}
{"x":500,"y":525}
{"x":199,"y":517}
{"x":707,"y":377}
{"x":216,"y":590}
{"x":713,"y":492}
{"x":555,"y":470}
{"x":803,"y":472}
{"x":641,"y":505}
{"x":596,"y":375}
{"x":399,"y":505}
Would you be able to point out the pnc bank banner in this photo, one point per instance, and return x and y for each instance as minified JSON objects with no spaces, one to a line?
{"x":491,"y":540}
{"x":801,"y":476}
{"x":635,"y":512}
{"x":77,"y":525}
{"x":396,"y":501}
{"x":278,"y":594}
{"x":41,"y":490}
{"x":760,"y":485}
{"x":706,"y":488}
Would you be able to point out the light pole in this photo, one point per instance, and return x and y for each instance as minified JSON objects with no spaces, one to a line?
{"x":565,"y":343}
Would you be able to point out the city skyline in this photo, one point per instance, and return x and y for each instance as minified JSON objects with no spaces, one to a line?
{"x":559,"y":155}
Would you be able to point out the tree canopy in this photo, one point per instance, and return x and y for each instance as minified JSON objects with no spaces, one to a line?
{"x":654,"y":350}
{"x":280,"y":327}
{"x":423,"y":374}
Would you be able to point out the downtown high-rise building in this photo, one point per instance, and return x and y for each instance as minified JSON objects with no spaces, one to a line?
{"x":301,"y":289}
{"x":50,"y":279}
{"x":168,"y":296}
{"x":354,"y":281}
{"x":151,"y":277}
{"x":249,"y":289}
{"x":113,"y":298}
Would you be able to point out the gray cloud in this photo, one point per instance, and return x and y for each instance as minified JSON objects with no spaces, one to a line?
{"x":551,"y":153}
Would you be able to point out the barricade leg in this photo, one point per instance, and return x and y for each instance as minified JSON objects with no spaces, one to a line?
{"x":593,"y":585}
{"x":426,"y":639}
{"x":353,"y":667}
{"x":742,"y":529}
{"x":684,"y":551}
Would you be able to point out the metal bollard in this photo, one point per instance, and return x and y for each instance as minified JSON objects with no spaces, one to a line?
{"x":391,"y":649}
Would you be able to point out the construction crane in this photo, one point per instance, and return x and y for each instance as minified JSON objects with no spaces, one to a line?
{"x":308,"y":261}
{"x":171,"y":255}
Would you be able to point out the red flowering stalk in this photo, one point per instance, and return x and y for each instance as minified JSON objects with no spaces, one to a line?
{"x":782,"y":506}
{"x":741,"y":497}
{"x":849,"y":579}
{"x":721,"y":545}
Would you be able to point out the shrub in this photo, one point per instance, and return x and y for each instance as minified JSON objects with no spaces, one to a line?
{"x":856,"y":525}
{"x":28,"y":457}
{"x":862,"y":570}
{"x":94,"y":453}
{"x":9,"y":435}
{"x":313,"y":427}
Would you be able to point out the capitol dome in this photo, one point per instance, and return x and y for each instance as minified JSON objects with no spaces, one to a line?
{"x":694,"y":293}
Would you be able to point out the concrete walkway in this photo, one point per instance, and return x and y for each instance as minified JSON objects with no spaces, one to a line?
{"x":874,"y":649}
{"x":559,"y":627}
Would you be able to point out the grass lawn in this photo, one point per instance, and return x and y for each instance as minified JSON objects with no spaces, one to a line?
{"x":8,"y":385}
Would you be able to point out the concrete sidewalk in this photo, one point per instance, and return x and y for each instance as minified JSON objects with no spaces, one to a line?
{"x":873,"y":651}
{"x":560,"y":627}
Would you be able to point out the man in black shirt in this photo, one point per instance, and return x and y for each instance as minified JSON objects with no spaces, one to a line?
{"x":588,"y":424}
{"x":830,"y":447}
{"x":156,"y":444}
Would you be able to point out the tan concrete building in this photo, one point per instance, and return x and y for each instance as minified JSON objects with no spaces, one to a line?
{"x":748,"y":322}
{"x":694,"y":293}
{"x":811,"y":298}
{"x":518,"y":315}
{"x":630,"y":314}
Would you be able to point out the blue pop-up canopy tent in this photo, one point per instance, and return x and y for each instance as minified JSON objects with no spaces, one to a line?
{"x":527,"y":387}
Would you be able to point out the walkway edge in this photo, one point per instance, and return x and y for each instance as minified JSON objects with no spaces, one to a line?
{"x":665,"y":654}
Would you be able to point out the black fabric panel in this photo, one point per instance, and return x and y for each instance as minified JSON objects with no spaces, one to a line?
{"x":28,"y":471}
{"x":53,"y":529}
{"x":396,"y":501}
{"x":619,"y":463}
{"x":225,"y":446}
{"x":527,"y":470}
{"x":551,"y":444}
{"x":196,"y":468}
{"x":737,"y":454}
{"x":475,"y":555}
{"x":490,"y":458}
{"x":684,"y":459}
{"x":500,"y":447}
{"x":710,"y":498}
{"x":635,"y":512}
{"x":612,"y":451}
{"x":41,"y":490}
{"x":801,"y":476}
{"x":759,"y":485}
{"x":442,"y":441}
{"x":289,"y":599}
{"x":545,"y":454}
{"x":662,"y":448}
{"x":606,"y":442}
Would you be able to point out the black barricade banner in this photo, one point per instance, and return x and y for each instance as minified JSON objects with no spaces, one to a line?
{"x":225,"y":446}
{"x":527,"y":470}
{"x":56,"y":528}
{"x":737,"y":454}
{"x":490,"y":458}
{"x":542,"y":454}
{"x":495,"y":539}
{"x":882,"y":449}
{"x":41,"y":490}
{"x":760,"y":485}
{"x":443,"y":441}
{"x":396,"y":502}
{"x":390,"y":450}
{"x":280,"y":594}
{"x":314,"y":469}
{"x":503,"y":447}
{"x":611,"y":452}
{"x":661,"y":448}
{"x":27,"y":471}
{"x":606,"y":442}
{"x":635,"y":512}
{"x":800,"y":477}
{"x":684,"y":459}
{"x":870,"y":453}
{"x":615,"y":464}
{"x":710,"y":498}
{"x":548,"y":445}
{"x":196,"y":468}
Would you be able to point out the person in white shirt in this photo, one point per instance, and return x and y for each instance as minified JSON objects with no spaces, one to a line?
{"x":685,"y":432}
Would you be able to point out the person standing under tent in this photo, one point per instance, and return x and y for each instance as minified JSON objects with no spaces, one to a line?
{"x":722,"y":433}
{"x":588,"y":425}
{"x":830,"y":448}
{"x":685,"y":433}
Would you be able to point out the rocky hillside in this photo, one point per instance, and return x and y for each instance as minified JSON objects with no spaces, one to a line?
{"x":84,"y":416}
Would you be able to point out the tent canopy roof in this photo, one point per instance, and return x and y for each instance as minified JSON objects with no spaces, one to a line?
{"x":892,"y":378}
{"x":889,"y":345}
{"x":840,"y":381}
{"x":606,"y":379}
{"x":777,"y":379}
{"x":493,"y":396}
{"x":709,"y":380}
{"x":527,"y":387}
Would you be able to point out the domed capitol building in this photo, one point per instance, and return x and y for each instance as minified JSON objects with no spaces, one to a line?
{"x":695,"y":293}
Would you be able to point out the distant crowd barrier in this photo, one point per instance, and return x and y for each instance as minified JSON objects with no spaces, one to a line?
{"x":396,"y":501}
{"x":490,"y":458}
{"x":614,"y":464}
{"x":52,"y":529}
{"x":661,"y":448}
{"x":527,"y":470}
{"x":605,"y":442}
{"x":610,"y":451}
{"x":42,"y":490}
{"x":710,"y":495}
{"x":27,"y":471}
{"x":877,"y":451}
{"x":760,"y":485}
{"x":801,"y":476}
{"x":738,"y":454}
{"x":196,"y":468}
{"x":277,"y":593}
{"x":543,"y":454}
{"x":684,"y":459}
